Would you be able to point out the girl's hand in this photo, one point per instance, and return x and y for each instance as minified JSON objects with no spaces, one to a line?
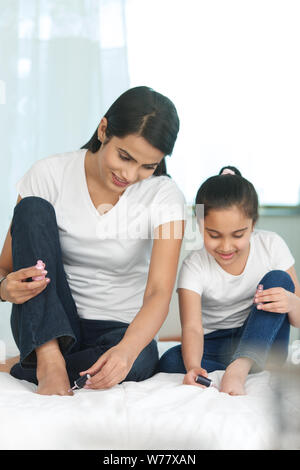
{"x":190,"y":376}
{"x":110,"y":369}
{"x":14,"y":289}
{"x":276,"y":299}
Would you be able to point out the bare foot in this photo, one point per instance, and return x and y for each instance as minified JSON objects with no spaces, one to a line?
{"x":51,"y":370}
{"x":9,"y":362}
{"x":234,"y":378}
{"x":53,"y":379}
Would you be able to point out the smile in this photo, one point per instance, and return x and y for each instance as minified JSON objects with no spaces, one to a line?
{"x":226,"y":255}
{"x":117,"y":181}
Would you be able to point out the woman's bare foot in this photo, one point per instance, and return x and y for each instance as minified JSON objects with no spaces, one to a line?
{"x":53,"y":380}
{"x":9,"y":363}
{"x":51,"y":371}
{"x":234,"y":378}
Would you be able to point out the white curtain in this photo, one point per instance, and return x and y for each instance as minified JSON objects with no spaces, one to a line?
{"x":62,"y":63}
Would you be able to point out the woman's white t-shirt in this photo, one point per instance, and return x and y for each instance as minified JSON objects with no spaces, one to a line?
{"x":226,"y":299}
{"x":106,"y":257}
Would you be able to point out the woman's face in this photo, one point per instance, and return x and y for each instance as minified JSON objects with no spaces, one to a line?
{"x":227,"y":235}
{"x":125,"y":161}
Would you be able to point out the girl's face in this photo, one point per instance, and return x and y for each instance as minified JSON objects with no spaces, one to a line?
{"x":125,"y":161}
{"x":227,"y":236}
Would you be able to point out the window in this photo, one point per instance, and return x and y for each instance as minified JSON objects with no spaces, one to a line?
{"x":233,"y":72}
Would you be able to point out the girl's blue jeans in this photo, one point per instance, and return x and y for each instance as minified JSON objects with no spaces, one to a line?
{"x":52,"y":314}
{"x":263,"y":336}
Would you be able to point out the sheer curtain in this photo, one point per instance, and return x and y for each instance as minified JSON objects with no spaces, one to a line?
{"x":62,"y":63}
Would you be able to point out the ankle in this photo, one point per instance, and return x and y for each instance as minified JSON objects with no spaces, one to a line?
{"x":49,"y":353}
{"x":241,"y":366}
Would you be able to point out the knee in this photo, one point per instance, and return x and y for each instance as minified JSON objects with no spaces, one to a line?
{"x":145,"y":364}
{"x":278,"y":278}
{"x":32,"y":209}
{"x":171,"y":361}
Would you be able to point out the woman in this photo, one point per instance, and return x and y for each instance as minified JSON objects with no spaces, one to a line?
{"x":107,"y":222}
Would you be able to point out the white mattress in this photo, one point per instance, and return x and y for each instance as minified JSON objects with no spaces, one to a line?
{"x":159,"y":413}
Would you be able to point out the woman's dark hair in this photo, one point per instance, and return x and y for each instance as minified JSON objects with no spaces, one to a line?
{"x":146,"y":113}
{"x":228,"y":189}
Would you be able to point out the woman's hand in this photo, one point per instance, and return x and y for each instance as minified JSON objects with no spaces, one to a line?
{"x":190,"y":376}
{"x":110,"y":369}
{"x":14,"y":289}
{"x":276,"y":299}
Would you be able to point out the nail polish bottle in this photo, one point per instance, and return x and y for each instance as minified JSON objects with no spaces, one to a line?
{"x":39,"y":265}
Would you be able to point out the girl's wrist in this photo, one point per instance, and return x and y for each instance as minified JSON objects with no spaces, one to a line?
{"x":294,"y":302}
{"x":193,"y":365}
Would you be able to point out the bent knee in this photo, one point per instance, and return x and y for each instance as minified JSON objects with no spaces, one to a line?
{"x":145,"y":364}
{"x":33,"y":209}
{"x":278,"y":278}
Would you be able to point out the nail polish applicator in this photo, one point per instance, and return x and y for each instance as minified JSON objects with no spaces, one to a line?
{"x":80,"y":383}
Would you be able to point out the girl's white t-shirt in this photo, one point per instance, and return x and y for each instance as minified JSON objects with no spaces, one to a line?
{"x":226,"y":300}
{"x":106,"y":257}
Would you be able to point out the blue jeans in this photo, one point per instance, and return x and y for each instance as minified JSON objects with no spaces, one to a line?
{"x":52,"y":313}
{"x":262,"y":333}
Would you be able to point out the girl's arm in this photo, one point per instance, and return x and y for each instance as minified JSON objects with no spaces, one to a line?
{"x":113,"y":366}
{"x":192,"y":330}
{"x":280,"y":300}
{"x":192,"y":339}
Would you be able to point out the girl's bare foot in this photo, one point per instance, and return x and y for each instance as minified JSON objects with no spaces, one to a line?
{"x":51,"y":370}
{"x":234,"y":378}
{"x":9,"y":363}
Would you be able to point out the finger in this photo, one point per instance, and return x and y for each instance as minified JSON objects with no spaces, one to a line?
{"x":268,"y":298}
{"x":22,"y":293}
{"x":192,"y":381}
{"x":107,"y":383}
{"x":103,"y":377}
{"x":36,"y":292}
{"x":25,"y":273}
{"x":99,"y":381}
{"x":34,"y":285}
{"x":274,"y":307}
{"x":270,"y":291}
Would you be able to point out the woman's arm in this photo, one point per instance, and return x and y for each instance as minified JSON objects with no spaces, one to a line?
{"x":159,"y":288}
{"x":113,"y":366}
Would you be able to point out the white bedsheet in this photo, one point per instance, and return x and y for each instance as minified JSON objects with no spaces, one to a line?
{"x":159,"y":413}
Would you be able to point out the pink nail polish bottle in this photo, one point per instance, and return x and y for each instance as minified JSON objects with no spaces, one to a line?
{"x":39,"y":265}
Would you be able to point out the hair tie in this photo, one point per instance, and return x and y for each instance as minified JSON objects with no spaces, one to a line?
{"x":226,"y":171}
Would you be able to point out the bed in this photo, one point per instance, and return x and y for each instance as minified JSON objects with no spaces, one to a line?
{"x":159,"y":413}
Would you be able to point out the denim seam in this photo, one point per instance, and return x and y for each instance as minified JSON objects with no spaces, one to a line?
{"x":251,"y":355}
{"x":35,"y":345}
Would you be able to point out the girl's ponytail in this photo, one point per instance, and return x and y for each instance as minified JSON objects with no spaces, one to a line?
{"x":228,"y":188}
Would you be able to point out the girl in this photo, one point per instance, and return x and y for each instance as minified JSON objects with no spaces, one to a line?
{"x":222,"y":328}
{"x":91,"y":216}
